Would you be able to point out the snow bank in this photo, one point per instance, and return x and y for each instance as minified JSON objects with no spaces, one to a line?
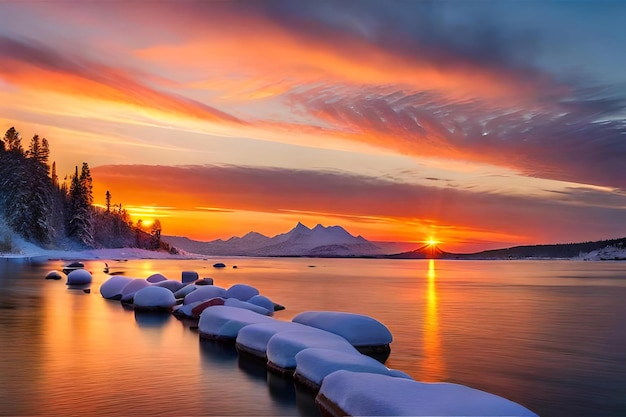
{"x":367,"y":394}
{"x":609,"y":253}
{"x":112,"y":287}
{"x":283,"y":347}
{"x":223,"y":322}
{"x":79,"y":277}
{"x":358,"y":329}
{"x":314,"y":364}
{"x":154,"y":297}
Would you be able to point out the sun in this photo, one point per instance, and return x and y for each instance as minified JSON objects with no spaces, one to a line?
{"x":432,"y":242}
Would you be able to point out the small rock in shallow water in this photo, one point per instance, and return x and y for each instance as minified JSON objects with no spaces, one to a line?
{"x":53,"y":275}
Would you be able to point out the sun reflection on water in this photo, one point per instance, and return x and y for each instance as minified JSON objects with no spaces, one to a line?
{"x":434,"y":366}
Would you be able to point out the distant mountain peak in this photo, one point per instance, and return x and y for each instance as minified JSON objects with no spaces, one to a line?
{"x":299,"y":241}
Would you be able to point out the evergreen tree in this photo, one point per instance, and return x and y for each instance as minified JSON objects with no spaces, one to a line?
{"x":108,"y":201}
{"x":155,"y":234}
{"x":53,"y":175}
{"x":13,"y":141}
{"x":86,"y":183}
{"x":26,"y":190}
{"x":80,"y":221}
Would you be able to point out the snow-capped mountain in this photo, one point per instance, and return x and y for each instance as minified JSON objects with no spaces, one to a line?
{"x":300,"y":241}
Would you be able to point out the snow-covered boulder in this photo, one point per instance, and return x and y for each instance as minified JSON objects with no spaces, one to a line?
{"x":154,"y":298}
{"x":170,"y":284}
{"x":129,"y":290}
{"x":197,"y":310}
{"x":366,"y":394}
{"x":223,"y":322}
{"x":253,"y":339}
{"x":204,"y":281}
{"x":188,"y":288}
{"x":112,"y":288}
{"x":189,"y":276}
{"x":53,"y":275}
{"x":314,"y":364}
{"x":79,"y":277}
{"x":262,"y":301}
{"x":241,"y":292}
{"x":234,"y":302}
{"x":154,"y":278}
{"x":185,"y":310}
{"x":283,"y":347}
{"x":204,"y":293}
{"x":367,"y":334}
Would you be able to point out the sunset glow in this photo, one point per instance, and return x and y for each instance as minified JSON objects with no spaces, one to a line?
{"x":396,"y":120}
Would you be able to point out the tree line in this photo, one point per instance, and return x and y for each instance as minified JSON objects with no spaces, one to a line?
{"x":45,"y":211}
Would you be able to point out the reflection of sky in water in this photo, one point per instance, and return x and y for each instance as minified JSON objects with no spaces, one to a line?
{"x":545,"y":334}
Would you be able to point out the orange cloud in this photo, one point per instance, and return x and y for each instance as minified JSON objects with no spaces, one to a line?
{"x":385,"y":208}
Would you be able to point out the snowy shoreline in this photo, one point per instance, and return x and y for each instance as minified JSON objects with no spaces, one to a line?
{"x":38,"y":254}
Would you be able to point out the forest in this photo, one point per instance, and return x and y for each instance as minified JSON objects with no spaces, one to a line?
{"x":61,"y":214}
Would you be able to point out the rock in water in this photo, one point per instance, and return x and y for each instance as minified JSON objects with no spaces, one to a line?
{"x":79,"y":277}
{"x":53,"y":275}
{"x":154,"y":298}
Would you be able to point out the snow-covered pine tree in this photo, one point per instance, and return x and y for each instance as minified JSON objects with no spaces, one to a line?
{"x":80,"y":221}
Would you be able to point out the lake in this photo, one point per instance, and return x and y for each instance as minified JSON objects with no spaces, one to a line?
{"x":550,"y":335}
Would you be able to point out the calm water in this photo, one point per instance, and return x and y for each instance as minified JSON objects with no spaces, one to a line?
{"x":550,"y":335}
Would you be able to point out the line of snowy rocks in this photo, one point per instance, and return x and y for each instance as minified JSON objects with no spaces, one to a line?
{"x":337,"y":356}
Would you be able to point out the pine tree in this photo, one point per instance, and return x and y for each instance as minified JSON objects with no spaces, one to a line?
{"x":80,"y":221}
{"x":53,"y":175}
{"x":13,"y":141}
{"x":108,"y":201}
{"x":155,"y":234}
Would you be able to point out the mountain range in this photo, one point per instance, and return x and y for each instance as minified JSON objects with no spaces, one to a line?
{"x":320,"y":241}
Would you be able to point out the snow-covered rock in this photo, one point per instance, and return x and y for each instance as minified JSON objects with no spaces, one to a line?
{"x":154,"y":278}
{"x":223,"y":322}
{"x":283,"y":347}
{"x":358,"y":329}
{"x":234,"y":302}
{"x":185,"y":310}
{"x":79,"y":277}
{"x":241,"y":292}
{"x":204,"y":293}
{"x":170,"y":284}
{"x":187,"y":289}
{"x":112,"y":287}
{"x":129,"y":290}
{"x":253,"y":339}
{"x":314,"y":364}
{"x":53,"y":275}
{"x":203,"y":305}
{"x":366,"y":394}
{"x":154,"y":297}
{"x":189,"y":276}
{"x":262,"y":301}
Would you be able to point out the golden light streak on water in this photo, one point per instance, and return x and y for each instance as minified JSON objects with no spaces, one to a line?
{"x":434,"y":365}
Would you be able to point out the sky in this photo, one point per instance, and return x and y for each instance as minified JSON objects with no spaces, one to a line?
{"x":479,"y":124}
